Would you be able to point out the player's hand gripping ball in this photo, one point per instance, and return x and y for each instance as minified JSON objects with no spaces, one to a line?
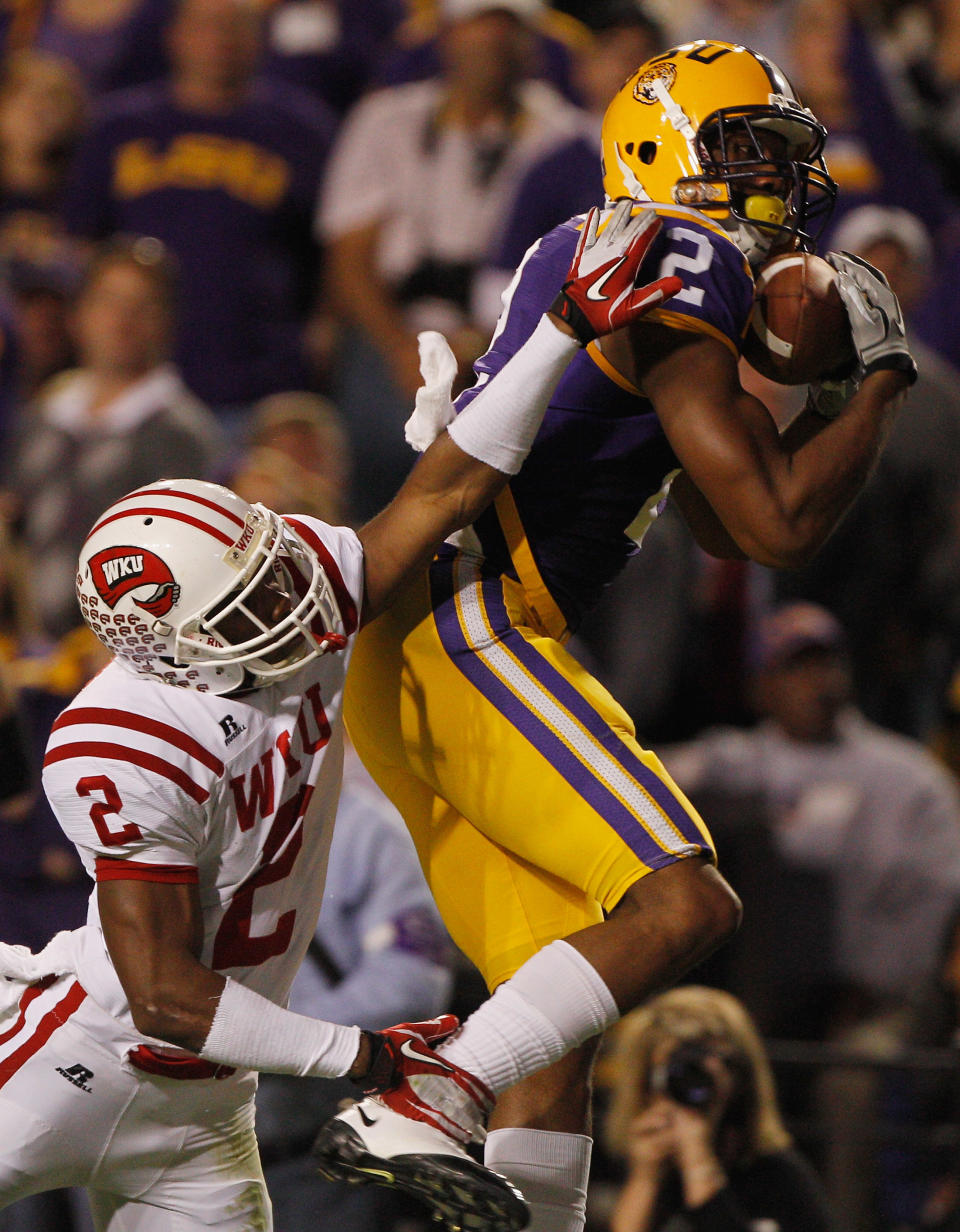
{"x":799,"y":331}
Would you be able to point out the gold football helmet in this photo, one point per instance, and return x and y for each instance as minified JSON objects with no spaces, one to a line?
{"x":719,"y":128}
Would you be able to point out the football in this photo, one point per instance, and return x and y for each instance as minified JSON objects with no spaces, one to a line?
{"x":799,"y":330}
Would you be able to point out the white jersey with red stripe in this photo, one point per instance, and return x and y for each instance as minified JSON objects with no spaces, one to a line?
{"x":236,"y":794}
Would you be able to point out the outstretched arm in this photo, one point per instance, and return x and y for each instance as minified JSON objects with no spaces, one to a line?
{"x":153,"y":932}
{"x":465,"y":468}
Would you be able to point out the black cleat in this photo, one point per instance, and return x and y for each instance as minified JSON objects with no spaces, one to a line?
{"x":370,"y":1143}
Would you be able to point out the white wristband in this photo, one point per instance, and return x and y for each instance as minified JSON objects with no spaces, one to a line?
{"x":499,"y":425}
{"x":250,"y":1032}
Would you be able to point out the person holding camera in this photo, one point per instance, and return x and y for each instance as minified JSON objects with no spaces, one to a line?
{"x":694,"y":1115}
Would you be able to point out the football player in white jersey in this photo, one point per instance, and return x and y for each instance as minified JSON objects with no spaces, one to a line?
{"x":198,"y":775}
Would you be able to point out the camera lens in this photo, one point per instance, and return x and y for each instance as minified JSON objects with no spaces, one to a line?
{"x":687,"y":1078}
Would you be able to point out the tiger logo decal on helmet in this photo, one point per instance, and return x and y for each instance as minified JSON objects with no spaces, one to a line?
{"x":644,"y":90}
{"x":718,"y":128}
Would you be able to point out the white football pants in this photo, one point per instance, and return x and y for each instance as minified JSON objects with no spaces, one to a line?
{"x":156,"y":1154}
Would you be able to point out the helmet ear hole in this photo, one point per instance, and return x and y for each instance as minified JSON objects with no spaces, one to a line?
{"x":647,"y":152}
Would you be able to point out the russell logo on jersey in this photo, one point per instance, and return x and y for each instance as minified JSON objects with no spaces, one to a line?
{"x":118,"y":570}
{"x":231,"y":728}
{"x":79,"y":1075}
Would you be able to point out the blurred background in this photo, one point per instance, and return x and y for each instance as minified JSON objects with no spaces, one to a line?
{"x":223,"y":223}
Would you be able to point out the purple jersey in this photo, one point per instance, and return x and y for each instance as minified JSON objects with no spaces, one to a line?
{"x":232,"y":196}
{"x":601,"y":455}
{"x":112,"y":54}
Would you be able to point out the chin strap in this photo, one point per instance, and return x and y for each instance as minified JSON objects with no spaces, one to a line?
{"x":753,"y":242}
{"x":674,"y":112}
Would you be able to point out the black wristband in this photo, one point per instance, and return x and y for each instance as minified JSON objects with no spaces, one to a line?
{"x":897,"y":361}
{"x":381,"y":1073}
{"x":565,"y":308}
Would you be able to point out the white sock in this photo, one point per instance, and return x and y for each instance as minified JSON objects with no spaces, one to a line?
{"x":553,"y":1003}
{"x":551,"y":1170}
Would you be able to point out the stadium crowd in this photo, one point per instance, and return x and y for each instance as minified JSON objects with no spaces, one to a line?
{"x":222,"y":225}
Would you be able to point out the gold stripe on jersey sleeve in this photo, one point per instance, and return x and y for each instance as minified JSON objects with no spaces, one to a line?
{"x":608,"y":370}
{"x":677,"y":320}
{"x":689,"y":214}
{"x":673,"y":320}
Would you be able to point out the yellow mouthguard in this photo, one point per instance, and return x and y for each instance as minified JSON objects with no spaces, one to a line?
{"x":762,"y":208}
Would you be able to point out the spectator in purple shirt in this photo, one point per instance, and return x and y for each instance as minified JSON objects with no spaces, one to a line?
{"x":42,"y":113}
{"x":224,"y":168}
{"x":871,"y":153}
{"x":113,"y":43}
{"x":330,"y":47}
{"x":417,"y":53}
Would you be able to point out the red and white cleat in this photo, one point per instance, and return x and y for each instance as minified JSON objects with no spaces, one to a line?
{"x":411,"y":1130}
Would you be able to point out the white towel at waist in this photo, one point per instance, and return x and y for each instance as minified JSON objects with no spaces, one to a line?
{"x":20,"y":967}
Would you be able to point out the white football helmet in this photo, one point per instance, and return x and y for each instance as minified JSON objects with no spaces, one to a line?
{"x":185,"y":581}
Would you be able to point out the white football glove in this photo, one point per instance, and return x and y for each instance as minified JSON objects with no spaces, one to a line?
{"x":876,"y":322}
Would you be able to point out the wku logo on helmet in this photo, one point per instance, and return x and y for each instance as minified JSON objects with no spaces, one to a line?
{"x":117,"y":571}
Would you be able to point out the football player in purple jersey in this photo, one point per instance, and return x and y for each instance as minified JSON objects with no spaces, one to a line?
{"x":565,"y":861}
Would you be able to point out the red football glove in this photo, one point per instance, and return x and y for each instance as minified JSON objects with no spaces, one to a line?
{"x":600,"y":293}
{"x":394,"y":1048}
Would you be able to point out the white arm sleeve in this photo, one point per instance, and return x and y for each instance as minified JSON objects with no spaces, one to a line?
{"x":499,"y":425}
{"x":250,"y":1032}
